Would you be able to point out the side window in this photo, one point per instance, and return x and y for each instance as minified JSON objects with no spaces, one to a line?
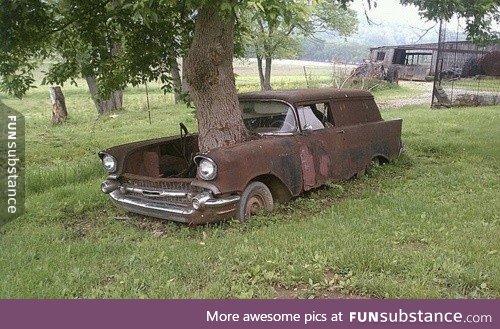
{"x":308,"y":118}
{"x":318,"y":116}
{"x":321,"y":111}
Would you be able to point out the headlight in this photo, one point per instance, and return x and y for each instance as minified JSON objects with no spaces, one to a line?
{"x":207,"y":169}
{"x":109,"y":163}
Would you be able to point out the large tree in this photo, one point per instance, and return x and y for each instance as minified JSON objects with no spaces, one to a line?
{"x":274,"y":27}
{"x":210,"y":75}
{"x":209,"y":67}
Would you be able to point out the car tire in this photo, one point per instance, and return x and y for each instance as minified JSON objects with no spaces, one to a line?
{"x":256,"y":197}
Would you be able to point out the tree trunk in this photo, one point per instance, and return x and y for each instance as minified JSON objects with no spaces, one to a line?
{"x":261,"y":72}
{"x":264,"y":73}
{"x":209,"y":72}
{"x":113,"y":103}
{"x":267,"y":74}
{"x":177,"y":82}
{"x":185,"y":84}
{"x":59,"y":112}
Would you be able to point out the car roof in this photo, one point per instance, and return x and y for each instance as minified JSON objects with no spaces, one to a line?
{"x":304,"y":95}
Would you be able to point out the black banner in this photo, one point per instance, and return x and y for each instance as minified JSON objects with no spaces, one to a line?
{"x":12,"y":164}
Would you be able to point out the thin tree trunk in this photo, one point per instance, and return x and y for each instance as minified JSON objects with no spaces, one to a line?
{"x":261,"y":72}
{"x":267,"y":74}
{"x":176,"y":79}
{"x":209,"y":72}
{"x":59,"y":112}
{"x":115,"y":99}
{"x":185,"y":84}
{"x":113,"y":103}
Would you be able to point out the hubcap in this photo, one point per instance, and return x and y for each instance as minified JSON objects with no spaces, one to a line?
{"x":254,"y":205}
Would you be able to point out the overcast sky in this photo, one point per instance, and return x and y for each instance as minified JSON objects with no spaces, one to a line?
{"x":401,"y":19}
{"x":391,"y":11}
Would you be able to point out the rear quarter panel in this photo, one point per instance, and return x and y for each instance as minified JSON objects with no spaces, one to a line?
{"x":374,"y":139}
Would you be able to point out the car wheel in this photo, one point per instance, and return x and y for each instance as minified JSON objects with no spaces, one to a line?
{"x":254,"y":199}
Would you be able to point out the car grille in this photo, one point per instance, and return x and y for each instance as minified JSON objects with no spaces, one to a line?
{"x":181,"y":185}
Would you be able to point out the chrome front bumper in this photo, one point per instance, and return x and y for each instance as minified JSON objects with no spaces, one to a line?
{"x":204,"y":207}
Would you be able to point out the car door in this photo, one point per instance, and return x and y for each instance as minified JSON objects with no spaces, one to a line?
{"x":322,"y":145}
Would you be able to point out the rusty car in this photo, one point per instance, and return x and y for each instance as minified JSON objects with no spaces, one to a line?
{"x":303,"y":138}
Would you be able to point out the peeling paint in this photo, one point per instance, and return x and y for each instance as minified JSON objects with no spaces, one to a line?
{"x":291,"y":164}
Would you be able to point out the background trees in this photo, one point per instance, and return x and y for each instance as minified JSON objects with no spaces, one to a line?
{"x":109,"y":43}
{"x":23,"y":43}
{"x":273,"y":28}
{"x":120,"y":42}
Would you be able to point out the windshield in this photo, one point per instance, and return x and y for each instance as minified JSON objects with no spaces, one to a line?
{"x":268,"y":117}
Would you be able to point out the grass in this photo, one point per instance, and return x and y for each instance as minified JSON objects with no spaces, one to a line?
{"x":474,"y":85}
{"x":426,"y":226}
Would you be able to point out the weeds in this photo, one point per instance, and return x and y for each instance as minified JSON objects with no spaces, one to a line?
{"x":425,"y":226}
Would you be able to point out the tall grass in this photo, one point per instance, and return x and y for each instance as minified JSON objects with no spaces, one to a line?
{"x":426,"y":226}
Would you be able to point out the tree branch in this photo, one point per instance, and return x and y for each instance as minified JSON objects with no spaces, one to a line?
{"x":65,"y":25}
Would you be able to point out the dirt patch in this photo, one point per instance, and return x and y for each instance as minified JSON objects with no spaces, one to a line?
{"x":158,"y":228}
{"x":79,"y":227}
{"x":303,"y":292}
{"x":424,"y":98}
{"x":328,"y":291}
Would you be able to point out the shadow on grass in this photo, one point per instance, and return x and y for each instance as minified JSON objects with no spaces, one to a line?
{"x":308,"y":204}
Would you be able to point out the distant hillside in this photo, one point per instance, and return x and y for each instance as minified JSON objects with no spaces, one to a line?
{"x":354,"y":49}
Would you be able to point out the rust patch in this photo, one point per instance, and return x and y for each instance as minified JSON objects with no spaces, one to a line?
{"x":324,"y":165}
{"x":151,"y":164}
{"x":288,"y":164}
{"x":308,"y":171}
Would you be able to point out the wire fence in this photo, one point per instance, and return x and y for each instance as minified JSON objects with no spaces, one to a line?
{"x":467,"y":74}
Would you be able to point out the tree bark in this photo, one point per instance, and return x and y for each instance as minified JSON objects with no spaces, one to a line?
{"x":177,"y":82}
{"x":267,"y":74}
{"x":261,"y":71}
{"x":59,"y":112}
{"x":185,"y":84}
{"x":210,"y":75}
{"x":103,"y":106}
{"x":264,"y":72}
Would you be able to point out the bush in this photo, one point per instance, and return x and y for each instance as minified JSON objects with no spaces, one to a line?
{"x":471,"y":68}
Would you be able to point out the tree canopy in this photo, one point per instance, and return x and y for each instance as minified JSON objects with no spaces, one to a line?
{"x":131,"y":41}
{"x":119,"y":42}
{"x":151,"y":34}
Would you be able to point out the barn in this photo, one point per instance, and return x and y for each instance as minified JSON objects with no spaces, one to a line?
{"x":417,"y":61}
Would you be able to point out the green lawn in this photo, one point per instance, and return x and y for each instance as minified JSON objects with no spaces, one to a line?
{"x":426,"y":226}
{"x":474,"y":85}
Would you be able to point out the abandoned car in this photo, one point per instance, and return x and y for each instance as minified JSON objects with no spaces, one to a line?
{"x":303,"y":138}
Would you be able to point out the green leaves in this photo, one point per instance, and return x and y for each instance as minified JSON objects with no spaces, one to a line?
{"x":274,"y":26}
{"x":116,"y":41}
{"x":479,"y":15}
